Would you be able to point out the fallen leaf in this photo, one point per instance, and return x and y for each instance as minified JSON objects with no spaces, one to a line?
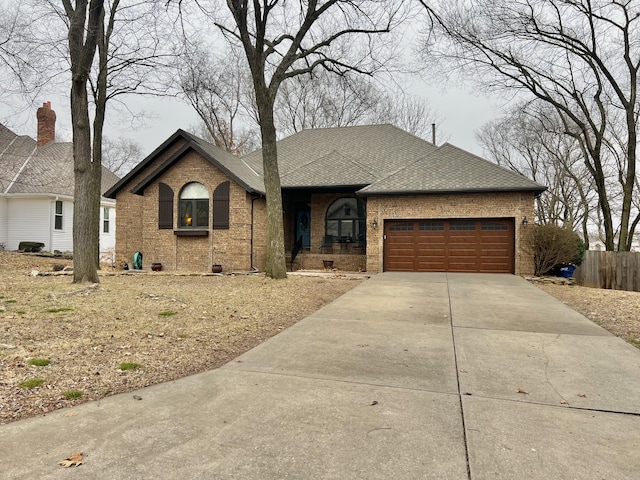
{"x":363,"y":345}
{"x":137,"y":397}
{"x":70,"y":414}
{"x":522,"y":390}
{"x":563,"y":402}
{"x":375,"y":402}
{"x":74,"y":460}
{"x":582,"y":395}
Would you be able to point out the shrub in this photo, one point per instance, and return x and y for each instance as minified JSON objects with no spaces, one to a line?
{"x":31,"y":246}
{"x":551,"y":246}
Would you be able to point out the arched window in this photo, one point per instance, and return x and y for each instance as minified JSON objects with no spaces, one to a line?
{"x":194,"y":206}
{"x":346,"y":221}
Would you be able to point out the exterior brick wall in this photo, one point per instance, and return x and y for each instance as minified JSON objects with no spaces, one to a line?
{"x":244,"y":245}
{"x":491,"y":205}
{"x":231,"y":248}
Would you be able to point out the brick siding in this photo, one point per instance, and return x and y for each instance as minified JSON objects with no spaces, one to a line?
{"x":478,"y":205}
{"x":137,"y":222}
{"x":137,"y":227}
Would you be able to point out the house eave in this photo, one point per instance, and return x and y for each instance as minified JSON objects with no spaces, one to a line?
{"x":140,"y":187}
{"x":536,"y":191}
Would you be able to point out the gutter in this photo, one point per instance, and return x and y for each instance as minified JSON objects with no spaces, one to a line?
{"x":253,"y":199}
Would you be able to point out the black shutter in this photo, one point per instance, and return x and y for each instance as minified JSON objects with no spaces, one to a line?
{"x":221,"y":206}
{"x":165,"y":207}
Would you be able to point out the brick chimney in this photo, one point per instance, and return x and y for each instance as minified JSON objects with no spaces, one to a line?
{"x":46,"y":124}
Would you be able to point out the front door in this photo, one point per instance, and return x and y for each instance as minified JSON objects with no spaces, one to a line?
{"x":303,"y":226}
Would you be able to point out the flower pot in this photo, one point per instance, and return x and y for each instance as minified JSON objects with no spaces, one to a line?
{"x":156,"y":267}
{"x":216,"y":268}
{"x":328,"y":264}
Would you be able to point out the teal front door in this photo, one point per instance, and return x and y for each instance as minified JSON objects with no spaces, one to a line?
{"x":303,"y":227}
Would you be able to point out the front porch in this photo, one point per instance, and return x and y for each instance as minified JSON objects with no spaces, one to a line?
{"x":348,"y":262}
{"x":323,"y":227}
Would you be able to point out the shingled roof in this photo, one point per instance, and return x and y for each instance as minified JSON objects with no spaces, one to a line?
{"x":232,"y":165}
{"x":31,"y":170}
{"x":368,"y":159}
{"x":451,"y":169}
{"x":343,"y":156}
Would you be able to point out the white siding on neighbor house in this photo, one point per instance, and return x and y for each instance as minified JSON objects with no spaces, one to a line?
{"x":28,"y":220}
{"x":3,"y":222}
{"x":108,"y":240}
{"x":61,"y":240}
{"x":33,"y":220}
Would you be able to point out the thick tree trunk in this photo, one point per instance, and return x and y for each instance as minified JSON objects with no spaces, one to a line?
{"x":87,"y":175}
{"x":276,"y":266}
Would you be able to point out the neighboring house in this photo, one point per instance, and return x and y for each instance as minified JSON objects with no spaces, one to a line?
{"x":36,"y":190}
{"x":596,"y":243}
{"x":366,"y":197}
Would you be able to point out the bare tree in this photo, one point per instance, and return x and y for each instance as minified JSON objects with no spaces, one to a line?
{"x":578,"y":56}
{"x":282,"y":40}
{"x":85,"y":28}
{"x":120,"y":155}
{"x":219,"y":90}
{"x":322,"y":100}
{"x":130,"y":49}
{"x":529,"y":140}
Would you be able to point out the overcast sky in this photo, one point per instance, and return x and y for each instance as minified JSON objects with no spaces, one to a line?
{"x":461,"y":112}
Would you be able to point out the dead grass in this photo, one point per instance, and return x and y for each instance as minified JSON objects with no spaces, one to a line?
{"x":89,"y":333}
{"x":614,"y":310}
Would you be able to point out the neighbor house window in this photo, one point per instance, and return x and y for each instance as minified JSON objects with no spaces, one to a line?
{"x":58,"y":216}
{"x":194,"y":206}
{"x":346,"y":221}
{"x":105,"y":220}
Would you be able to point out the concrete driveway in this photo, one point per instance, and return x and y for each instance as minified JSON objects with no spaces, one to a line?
{"x":435,"y":376}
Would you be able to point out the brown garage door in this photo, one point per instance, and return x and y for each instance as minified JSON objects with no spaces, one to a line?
{"x":466,"y":245}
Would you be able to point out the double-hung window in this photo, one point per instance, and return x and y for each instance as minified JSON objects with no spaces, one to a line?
{"x":105,"y":220}
{"x":59,"y":215}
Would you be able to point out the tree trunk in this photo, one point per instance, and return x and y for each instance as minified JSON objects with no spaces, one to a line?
{"x":86,"y":211}
{"x":276,"y":266}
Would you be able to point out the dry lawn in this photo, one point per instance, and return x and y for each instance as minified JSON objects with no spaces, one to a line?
{"x":167,"y":326}
{"x":163,"y":325}
{"x":615,"y":310}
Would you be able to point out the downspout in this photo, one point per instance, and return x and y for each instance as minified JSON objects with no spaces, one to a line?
{"x":253,"y":199}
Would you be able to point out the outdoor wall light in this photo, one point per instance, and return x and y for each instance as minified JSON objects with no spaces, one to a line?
{"x":374,"y":224}
{"x":525,"y":222}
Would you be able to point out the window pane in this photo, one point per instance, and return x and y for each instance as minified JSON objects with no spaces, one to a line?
{"x":494,"y":226}
{"x":462,"y":226}
{"x":58,"y":215}
{"x":346,"y":230}
{"x":105,"y":226}
{"x":432,"y":226}
{"x":202,"y":213}
{"x":401,"y":227}
{"x":333,"y":229}
{"x":106,"y":214}
{"x":361,"y":232}
{"x":186,"y":213}
{"x":194,"y":191}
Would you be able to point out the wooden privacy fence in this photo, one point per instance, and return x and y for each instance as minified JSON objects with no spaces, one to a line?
{"x":613,"y":270}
